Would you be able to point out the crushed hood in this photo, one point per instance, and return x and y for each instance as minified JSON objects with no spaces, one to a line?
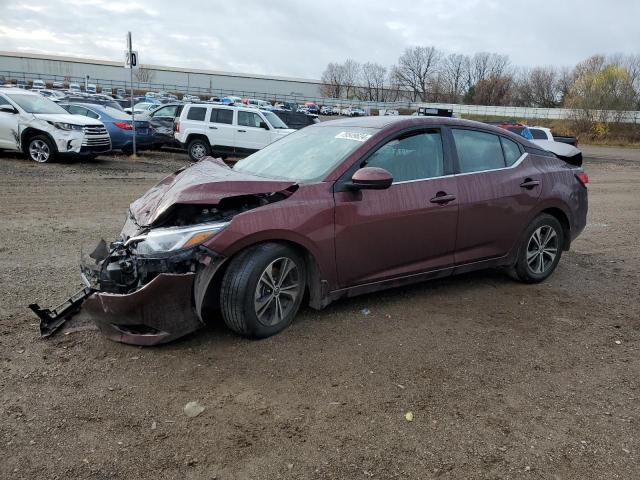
{"x":206,"y":183}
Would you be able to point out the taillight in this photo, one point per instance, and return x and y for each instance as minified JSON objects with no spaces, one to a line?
{"x":178,"y":127}
{"x":123,"y":125}
{"x":583,"y":178}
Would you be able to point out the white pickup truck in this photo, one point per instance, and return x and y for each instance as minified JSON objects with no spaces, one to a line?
{"x":33,"y":124}
{"x":544,"y":133}
{"x":205,"y":129}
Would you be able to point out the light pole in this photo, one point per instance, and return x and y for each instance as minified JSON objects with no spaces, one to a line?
{"x":132,"y":61}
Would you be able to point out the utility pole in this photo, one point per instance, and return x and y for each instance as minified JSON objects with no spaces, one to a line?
{"x":132,"y":60}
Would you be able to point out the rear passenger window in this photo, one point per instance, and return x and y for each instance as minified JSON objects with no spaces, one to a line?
{"x":220,"y":115}
{"x":196,"y":113}
{"x":511,"y":151}
{"x":478,"y":151}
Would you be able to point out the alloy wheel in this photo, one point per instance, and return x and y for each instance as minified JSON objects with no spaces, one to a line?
{"x":277,"y":291}
{"x":542,"y":249}
{"x":39,"y":151}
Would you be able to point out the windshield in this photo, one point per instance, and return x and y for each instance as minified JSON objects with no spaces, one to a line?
{"x":306,"y":155}
{"x":36,"y":103}
{"x":274,"y":120}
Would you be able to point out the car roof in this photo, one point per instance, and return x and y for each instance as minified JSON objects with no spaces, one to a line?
{"x":221,"y":105}
{"x":406,"y":121}
{"x":17,"y":90}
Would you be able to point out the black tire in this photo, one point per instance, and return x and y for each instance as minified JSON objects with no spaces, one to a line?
{"x":538,"y":255}
{"x":40,"y":149}
{"x":249,"y":307}
{"x":198,"y":149}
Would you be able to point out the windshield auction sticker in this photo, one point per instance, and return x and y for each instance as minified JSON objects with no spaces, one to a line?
{"x":357,"y":136}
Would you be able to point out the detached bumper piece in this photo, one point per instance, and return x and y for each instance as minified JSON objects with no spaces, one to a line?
{"x":52,"y":320}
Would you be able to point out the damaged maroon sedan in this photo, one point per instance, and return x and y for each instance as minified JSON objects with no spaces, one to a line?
{"x":334,"y":210}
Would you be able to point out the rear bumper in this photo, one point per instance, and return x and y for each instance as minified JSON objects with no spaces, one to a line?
{"x":160,"y":311}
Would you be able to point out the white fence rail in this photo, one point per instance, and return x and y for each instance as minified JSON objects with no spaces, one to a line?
{"x":531,"y":112}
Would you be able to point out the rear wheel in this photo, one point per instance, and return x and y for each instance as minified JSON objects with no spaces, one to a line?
{"x":198,"y":149}
{"x":40,"y":149}
{"x":541,"y":250}
{"x":262,"y":290}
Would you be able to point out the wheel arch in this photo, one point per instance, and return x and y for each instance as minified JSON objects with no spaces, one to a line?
{"x":563,"y":218}
{"x":197,"y":136}
{"x":30,"y":132}
{"x":209,"y":280}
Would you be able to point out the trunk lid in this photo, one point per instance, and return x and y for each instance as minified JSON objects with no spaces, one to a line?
{"x":204,"y":183}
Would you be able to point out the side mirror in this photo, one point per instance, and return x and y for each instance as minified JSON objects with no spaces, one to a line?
{"x":7,"y":109}
{"x":264,"y":125}
{"x":371,"y":178}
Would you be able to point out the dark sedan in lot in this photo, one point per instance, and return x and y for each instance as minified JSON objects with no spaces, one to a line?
{"x":334,"y":210}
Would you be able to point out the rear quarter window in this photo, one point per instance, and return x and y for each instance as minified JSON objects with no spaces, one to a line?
{"x":511,"y":151}
{"x":197,"y":113}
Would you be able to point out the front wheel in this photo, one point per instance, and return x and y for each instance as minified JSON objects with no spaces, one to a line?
{"x":40,"y":149}
{"x":541,"y":249}
{"x":262,"y":290}
{"x":198,"y":149}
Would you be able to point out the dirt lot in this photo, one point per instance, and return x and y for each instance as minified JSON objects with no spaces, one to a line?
{"x":504,"y":380}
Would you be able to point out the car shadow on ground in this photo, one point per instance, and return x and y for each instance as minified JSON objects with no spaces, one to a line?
{"x":216,"y":334}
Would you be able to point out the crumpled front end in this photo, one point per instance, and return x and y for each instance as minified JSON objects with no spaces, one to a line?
{"x":159,"y":312}
{"x":144,"y":300}
{"x":150,"y":286}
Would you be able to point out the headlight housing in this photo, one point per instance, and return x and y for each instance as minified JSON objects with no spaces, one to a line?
{"x":172,"y":239}
{"x":66,"y":126}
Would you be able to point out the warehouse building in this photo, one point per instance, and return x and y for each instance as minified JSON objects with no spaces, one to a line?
{"x":29,"y":66}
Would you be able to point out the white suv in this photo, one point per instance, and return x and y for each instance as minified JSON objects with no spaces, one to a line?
{"x":42,"y":129}
{"x":206,"y":129}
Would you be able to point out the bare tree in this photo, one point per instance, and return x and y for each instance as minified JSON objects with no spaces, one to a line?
{"x":416,"y":69}
{"x":544,"y":87}
{"x":484,"y":65}
{"x":493,"y":90}
{"x":351,"y":70}
{"x":373,"y":77}
{"x":333,"y":80}
{"x":565,"y":82}
{"x":453,"y":76}
{"x":144,"y":75}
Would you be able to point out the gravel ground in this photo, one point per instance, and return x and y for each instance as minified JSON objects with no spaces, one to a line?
{"x":504,"y":380}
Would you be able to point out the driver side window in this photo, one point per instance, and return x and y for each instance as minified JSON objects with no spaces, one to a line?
{"x":415,"y":157}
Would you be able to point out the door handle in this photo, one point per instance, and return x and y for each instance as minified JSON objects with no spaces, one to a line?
{"x":243,"y":131}
{"x":442,"y":198}
{"x":213,"y":128}
{"x":529,"y":183}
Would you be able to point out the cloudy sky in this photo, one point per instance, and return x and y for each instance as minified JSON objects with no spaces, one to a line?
{"x":298,"y":38}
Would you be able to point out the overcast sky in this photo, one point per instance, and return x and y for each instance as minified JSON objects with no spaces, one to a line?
{"x":298,"y":38}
